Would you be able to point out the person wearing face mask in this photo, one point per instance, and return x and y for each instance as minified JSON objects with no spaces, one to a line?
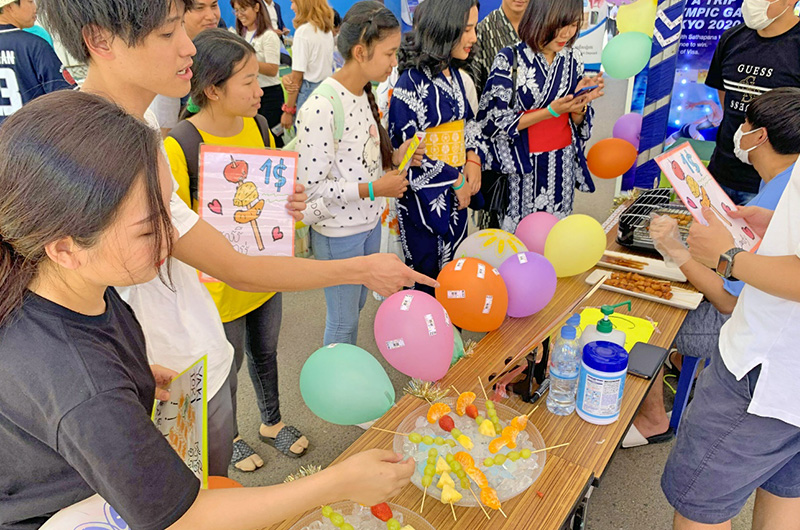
{"x":741,"y":433}
{"x":751,"y":59}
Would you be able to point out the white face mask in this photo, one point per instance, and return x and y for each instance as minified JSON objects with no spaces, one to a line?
{"x":755,"y":16}
{"x":742,"y":154}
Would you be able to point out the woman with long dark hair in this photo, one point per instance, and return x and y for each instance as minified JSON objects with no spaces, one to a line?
{"x":430,"y":97}
{"x":535,"y":127}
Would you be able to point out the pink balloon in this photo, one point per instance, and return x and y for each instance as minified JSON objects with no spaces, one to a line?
{"x":620,"y":2}
{"x":533,"y":230}
{"x":531,"y":282}
{"x":629,"y":128}
{"x":414,"y":334}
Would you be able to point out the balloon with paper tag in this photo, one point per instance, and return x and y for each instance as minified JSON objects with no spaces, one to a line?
{"x":611,"y":158}
{"x":414,"y":334}
{"x":491,"y":245}
{"x":575,"y":245}
{"x":532,"y":230}
{"x":345,"y":385}
{"x":473,"y":293}
{"x":531,"y":282}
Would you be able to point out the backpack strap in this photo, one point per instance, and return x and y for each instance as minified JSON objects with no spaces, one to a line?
{"x":189,"y":138}
{"x":266,"y":133}
{"x":328,"y":92}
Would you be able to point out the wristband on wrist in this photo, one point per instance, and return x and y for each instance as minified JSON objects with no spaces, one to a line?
{"x":476,"y":163}
{"x":288,"y":110}
{"x":554,"y":113}
{"x":463,"y":181}
{"x":371,"y":192}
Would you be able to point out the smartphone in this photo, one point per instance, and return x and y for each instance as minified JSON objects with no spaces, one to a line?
{"x":645,"y":360}
{"x":584,"y":90}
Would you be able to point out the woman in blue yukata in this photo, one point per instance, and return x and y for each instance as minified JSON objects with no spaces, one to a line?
{"x":429,"y":97}
{"x":533,"y":116}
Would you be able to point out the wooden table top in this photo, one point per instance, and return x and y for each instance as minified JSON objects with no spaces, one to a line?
{"x":568,"y":470}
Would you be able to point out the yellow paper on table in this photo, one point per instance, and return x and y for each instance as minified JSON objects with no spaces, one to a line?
{"x":447,"y":143}
{"x":636,"y":329}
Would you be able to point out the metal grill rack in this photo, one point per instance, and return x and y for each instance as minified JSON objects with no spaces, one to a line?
{"x":634,"y":222}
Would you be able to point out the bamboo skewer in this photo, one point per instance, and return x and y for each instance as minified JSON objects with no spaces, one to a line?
{"x":483,"y":388}
{"x":454,"y":512}
{"x":424,"y":493}
{"x":504,"y":513}
{"x":390,"y":432}
{"x":479,"y":502}
{"x":551,"y":447}
{"x":534,"y":409}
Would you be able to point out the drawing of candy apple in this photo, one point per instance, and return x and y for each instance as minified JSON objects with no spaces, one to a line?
{"x":676,"y":168}
{"x":236,"y":171}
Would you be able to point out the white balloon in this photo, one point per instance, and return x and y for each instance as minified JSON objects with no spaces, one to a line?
{"x":491,"y":245}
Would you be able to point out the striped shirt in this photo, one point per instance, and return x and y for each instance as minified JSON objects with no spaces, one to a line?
{"x":495,"y":32}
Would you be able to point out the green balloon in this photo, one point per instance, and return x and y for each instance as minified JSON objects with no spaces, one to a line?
{"x":344,"y":384}
{"x":458,"y":347}
{"x":627,"y":54}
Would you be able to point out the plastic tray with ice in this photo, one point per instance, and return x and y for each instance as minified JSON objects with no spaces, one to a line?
{"x":509,"y":480}
{"x":361,"y":518}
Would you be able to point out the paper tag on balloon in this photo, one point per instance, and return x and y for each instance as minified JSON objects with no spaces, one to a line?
{"x":456,"y":294}
{"x":481,"y":271}
{"x":522,"y":257}
{"x":460,"y":264}
{"x":406,"y":302}
{"x":487,"y":306}
{"x":446,"y":317}
{"x":496,"y":272}
{"x":431,"y":325}
{"x":394,"y":344}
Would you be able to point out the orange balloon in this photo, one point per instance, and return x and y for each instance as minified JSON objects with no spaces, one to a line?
{"x":221,"y":483}
{"x":473,"y":293}
{"x":610,"y":158}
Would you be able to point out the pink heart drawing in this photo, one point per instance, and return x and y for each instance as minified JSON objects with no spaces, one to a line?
{"x":215,"y":206}
{"x":747,"y":231}
{"x":691,"y":203}
{"x":726,"y":208}
{"x":277,"y":235}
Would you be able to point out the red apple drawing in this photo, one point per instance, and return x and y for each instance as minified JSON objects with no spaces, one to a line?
{"x":236,"y":171}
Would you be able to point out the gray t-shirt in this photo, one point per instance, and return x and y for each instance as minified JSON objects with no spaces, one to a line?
{"x":76,"y":394}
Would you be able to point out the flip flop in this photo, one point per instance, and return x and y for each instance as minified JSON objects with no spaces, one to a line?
{"x":284,"y":441}
{"x":634,"y":438}
{"x":241,"y":451}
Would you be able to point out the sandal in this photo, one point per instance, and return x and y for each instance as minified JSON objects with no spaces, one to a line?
{"x":285,"y":440}
{"x":242,"y":451}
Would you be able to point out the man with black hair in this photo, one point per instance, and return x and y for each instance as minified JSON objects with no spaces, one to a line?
{"x":29,"y":67}
{"x":495,"y":32}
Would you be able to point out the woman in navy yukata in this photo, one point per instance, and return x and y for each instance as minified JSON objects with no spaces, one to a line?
{"x":535,"y":125}
{"x":429,"y":97}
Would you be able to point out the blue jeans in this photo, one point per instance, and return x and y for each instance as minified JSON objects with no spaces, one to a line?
{"x":305,"y":91}
{"x":739,"y":197}
{"x":344,"y":302}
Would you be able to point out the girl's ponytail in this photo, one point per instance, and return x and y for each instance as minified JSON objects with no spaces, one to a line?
{"x":16,"y":273}
{"x":386,"y":144}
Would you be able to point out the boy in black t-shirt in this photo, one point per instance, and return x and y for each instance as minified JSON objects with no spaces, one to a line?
{"x":751,"y":59}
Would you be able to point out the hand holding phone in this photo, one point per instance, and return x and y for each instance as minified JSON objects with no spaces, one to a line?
{"x":584,"y":90}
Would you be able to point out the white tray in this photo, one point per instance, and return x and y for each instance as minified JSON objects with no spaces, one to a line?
{"x":680,"y":297}
{"x":654,"y":267}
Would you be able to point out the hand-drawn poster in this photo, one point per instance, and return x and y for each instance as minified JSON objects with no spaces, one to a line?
{"x":243,"y":193}
{"x":93,"y":513}
{"x":698,"y":189}
{"x":183,"y":420}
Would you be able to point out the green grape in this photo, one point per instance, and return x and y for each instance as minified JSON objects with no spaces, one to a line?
{"x":456,"y":433}
{"x":430,"y":469}
{"x":415,"y":437}
{"x":455,"y":466}
{"x":438,"y":440}
{"x":427,"y":481}
{"x":450,"y":442}
{"x":489,"y":462}
{"x":337,"y":519}
{"x":427,"y":440}
{"x":431,"y":460}
{"x":479,"y":420}
{"x":449,"y":458}
{"x":461,"y":473}
{"x":525,"y":453}
{"x":392,"y":524}
{"x":327,"y":511}
{"x":347,"y":526}
{"x":499,"y":460}
{"x":432,"y":452}
{"x":490,"y":405}
{"x":465,"y":483}
{"x":513,"y":456}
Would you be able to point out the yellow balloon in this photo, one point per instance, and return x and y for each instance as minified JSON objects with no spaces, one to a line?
{"x":639,"y":16}
{"x":575,"y":245}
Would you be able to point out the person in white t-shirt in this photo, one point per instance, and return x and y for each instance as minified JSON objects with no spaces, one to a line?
{"x":741,"y":433}
{"x":200,"y":16}
{"x":312,"y":54}
{"x":348,"y":175}
{"x":253,"y":25}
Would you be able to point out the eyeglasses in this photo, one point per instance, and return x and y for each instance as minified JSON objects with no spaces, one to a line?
{"x":240,"y":10}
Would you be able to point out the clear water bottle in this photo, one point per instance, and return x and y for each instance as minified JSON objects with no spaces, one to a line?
{"x":564,"y":368}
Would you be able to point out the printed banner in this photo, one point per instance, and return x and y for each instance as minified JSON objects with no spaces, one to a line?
{"x":698,"y":189}
{"x":183,"y":420}
{"x":243,"y":194}
{"x":593,"y":33}
{"x":695,"y":111}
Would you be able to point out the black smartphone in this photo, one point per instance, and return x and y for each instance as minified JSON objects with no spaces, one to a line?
{"x":584,"y":90}
{"x":645,"y":360}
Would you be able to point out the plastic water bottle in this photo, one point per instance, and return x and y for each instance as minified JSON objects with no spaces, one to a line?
{"x":564,"y":368}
